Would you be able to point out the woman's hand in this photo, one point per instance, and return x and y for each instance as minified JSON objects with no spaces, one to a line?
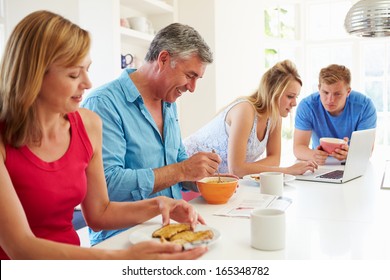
{"x":301,"y":167}
{"x":152,"y":250}
{"x":178,"y":210}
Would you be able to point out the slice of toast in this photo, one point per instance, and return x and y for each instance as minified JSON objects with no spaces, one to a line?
{"x":170,"y":230}
{"x":191,"y":236}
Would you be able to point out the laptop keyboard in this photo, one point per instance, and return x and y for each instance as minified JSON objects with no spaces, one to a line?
{"x":336,"y":174}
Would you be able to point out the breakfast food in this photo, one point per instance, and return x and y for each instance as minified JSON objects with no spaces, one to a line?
{"x":191,"y":236}
{"x":216,"y":182}
{"x":256,"y":177}
{"x":170,"y":230}
{"x":181,"y":234}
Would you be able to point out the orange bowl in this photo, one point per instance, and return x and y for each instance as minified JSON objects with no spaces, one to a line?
{"x":217,"y":193}
{"x":329,"y":144}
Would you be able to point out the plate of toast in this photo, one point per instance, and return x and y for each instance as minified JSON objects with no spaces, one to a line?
{"x":175,"y":233}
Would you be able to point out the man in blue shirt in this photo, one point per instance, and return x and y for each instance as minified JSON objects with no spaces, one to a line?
{"x":333,"y":111}
{"x":143,"y":153}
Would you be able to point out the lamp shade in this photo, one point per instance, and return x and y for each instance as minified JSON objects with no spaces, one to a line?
{"x":369,"y":18}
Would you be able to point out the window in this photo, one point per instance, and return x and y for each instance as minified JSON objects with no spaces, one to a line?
{"x":282,"y":41}
{"x":279,"y":21}
{"x":375,"y":79}
{"x":318,"y":39}
{"x":368,"y":59}
{"x":280,"y":25}
{"x":325,"y":19}
{"x":326,"y":41}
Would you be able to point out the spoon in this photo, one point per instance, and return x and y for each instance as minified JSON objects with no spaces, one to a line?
{"x":219,"y":177}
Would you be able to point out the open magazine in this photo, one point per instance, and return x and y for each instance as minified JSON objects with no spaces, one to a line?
{"x":243,"y":208}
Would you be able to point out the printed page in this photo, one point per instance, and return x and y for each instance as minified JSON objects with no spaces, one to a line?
{"x":243,"y":208}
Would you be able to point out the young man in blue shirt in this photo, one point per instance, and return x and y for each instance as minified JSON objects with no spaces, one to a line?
{"x":334,"y":111}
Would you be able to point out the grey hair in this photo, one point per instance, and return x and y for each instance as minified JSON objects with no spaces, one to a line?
{"x":180,"y":41}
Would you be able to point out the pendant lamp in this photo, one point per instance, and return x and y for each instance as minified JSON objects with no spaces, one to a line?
{"x":369,"y":18}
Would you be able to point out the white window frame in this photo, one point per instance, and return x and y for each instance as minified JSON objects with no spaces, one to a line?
{"x":305,"y":65}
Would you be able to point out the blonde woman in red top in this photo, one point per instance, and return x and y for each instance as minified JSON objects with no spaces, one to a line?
{"x":51,"y":153}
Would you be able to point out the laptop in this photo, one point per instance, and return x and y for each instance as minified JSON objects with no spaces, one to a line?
{"x":360,"y":149}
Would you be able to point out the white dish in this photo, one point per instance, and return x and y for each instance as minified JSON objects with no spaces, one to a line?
{"x":255,"y":177}
{"x":145,"y":233}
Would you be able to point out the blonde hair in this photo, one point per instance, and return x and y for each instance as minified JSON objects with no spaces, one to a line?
{"x":333,"y":74}
{"x":39,"y":40}
{"x":272,"y":85}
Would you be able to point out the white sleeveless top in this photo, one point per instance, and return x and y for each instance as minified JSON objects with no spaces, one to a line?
{"x":215,"y":135}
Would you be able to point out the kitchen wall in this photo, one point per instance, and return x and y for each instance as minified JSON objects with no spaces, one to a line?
{"x":232,"y":30}
{"x":98,"y":17}
{"x":17,"y":9}
{"x":197,"y":108}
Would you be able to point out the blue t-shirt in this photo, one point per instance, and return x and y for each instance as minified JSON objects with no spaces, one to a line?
{"x":132,"y":144}
{"x":359,"y":113}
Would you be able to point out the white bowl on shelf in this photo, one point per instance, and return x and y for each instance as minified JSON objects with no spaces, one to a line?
{"x":141,"y":24}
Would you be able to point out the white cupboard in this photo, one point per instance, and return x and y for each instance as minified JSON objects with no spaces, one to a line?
{"x":143,"y":19}
{"x":113,"y":37}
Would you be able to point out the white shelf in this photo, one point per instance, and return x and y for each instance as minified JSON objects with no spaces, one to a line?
{"x":132,"y":36}
{"x":159,"y":13}
{"x":150,"y":7}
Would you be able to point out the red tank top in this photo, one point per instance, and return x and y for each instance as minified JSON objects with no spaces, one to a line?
{"x":49,"y":191}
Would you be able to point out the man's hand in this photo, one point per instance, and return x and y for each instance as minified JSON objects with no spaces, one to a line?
{"x":200,"y":165}
{"x":341,"y":154}
{"x":320,"y":155}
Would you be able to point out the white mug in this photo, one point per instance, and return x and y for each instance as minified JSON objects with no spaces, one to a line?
{"x":268,"y":229}
{"x":271,"y":183}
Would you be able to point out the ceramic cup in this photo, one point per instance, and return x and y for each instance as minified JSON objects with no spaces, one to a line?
{"x":329,"y":144}
{"x":124,"y":23}
{"x":141,"y":24}
{"x":271,"y":183}
{"x":126,"y":60}
{"x":268,"y":229}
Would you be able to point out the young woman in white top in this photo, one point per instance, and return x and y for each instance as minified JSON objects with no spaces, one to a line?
{"x":252,"y":125}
